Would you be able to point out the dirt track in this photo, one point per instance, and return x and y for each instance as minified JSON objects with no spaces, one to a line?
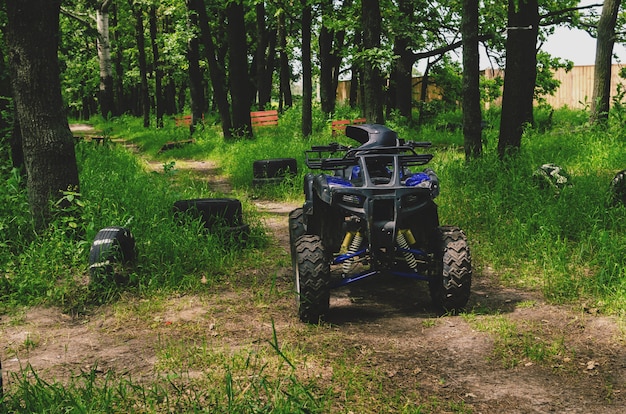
{"x":388,"y":325}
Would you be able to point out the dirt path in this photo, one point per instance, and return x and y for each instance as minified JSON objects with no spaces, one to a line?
{"x":479,"y":361}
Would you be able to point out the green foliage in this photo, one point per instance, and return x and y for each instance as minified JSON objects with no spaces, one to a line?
{"x":545,"y":84}
{"x":567,"y":244}
{"x":490,"y":89}
{"x":447,"y":76}
{"x":116,"y":189}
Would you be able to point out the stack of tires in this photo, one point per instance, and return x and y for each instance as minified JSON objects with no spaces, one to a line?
{"x":273,"y":171}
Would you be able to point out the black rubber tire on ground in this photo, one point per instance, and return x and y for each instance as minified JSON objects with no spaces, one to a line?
{"x":214,"y":212}
{"x":275,"y":167}
{"x":236,"y":234}
{"x":451,"y":284}
{"x":296,"y":229}
{"x":617,"y":189}
{"x":312,"y":278}
{"x":259,"y":182}
{"x":112,"y":250}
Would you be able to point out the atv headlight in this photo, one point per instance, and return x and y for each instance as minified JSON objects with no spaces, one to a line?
{"x":352,"y":199}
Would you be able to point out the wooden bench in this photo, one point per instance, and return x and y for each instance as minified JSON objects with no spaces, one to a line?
{"x":264,"y":118}
{"x":338,"y":127}
{"x":183,"y":120}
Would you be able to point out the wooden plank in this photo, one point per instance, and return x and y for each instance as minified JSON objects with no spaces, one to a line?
{"x":264,"y":118}
{"x":183,"y":121}
{"x":338,"y":127}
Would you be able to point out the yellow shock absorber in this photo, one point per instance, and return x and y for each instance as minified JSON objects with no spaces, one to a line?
{"x":357,"y":239}
{"x":403,"y":243}
{"x":408,"y":235}
{"x":346,"y":242}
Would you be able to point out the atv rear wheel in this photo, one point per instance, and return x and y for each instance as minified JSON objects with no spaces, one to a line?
{"x":312,"y":278}
{"x":450,"y":286}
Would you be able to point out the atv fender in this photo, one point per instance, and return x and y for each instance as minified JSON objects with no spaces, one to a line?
{"x":322,"y":188}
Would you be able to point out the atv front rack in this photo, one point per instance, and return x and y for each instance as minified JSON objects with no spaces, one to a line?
{"x":405,"y":152}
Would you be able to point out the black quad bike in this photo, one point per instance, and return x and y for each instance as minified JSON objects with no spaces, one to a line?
{"x":371,"y":212}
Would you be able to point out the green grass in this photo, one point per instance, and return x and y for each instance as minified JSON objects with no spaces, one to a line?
{"x":568,"y":244}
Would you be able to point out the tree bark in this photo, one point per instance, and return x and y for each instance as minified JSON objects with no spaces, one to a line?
{"x":106,"y":96}
{"x":216,"y":68}
{"x":600,"y":103}
{"x":238,"y":68}
{"x":472,"y":116}
{"x":196,"y":88}
{"x":158,"y":71}
{"x":520,"y":73}
{"x":401,"y":82}
{"x":48,"y":144}
{"x":372,"y":78}
{"x":143,"y":66}
{"x":327,"y":65}
{"x":357,"y":74}
{"x":121,"y":105}
{"x":286,"y":98}
{"x":266,"y":48}
{"x":307,"y":84}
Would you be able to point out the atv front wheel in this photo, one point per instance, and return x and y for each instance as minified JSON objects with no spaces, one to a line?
{"x":312,"y":277}
{"x":450,"y":286}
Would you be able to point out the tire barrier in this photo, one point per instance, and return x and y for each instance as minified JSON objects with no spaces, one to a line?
{"x":617,"y":189}
{"x":112,"y":250}
{"x":218,"y":215}
{"x":273,"y":171}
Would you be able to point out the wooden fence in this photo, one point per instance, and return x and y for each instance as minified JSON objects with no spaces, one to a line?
{"x":576,"y":88}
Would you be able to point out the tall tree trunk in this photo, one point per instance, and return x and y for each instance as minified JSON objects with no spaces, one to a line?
{"x":285,"y":70}
{"x":520,"y":73}
{"x":121,"y":105}
{"x":307,"y":84}
{"x":604,"y":52}
{"x":143,"y":66}
{"x":48,"y":144}
{"x":238,"y":69}
{"x":265,"y":87}
{"x":196,"y":88}
{"x":216,"y":68}
{"x":106,"y":95}
{"x":325,"y":42}
{"x":158,"y":71}
{"x":372,"y":78}
{"x":261,"y":47}
{"x":472,"y":116}
{"x":401,"y":82}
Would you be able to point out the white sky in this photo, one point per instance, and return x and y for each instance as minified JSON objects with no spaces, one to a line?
{"x":577,"y":46}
